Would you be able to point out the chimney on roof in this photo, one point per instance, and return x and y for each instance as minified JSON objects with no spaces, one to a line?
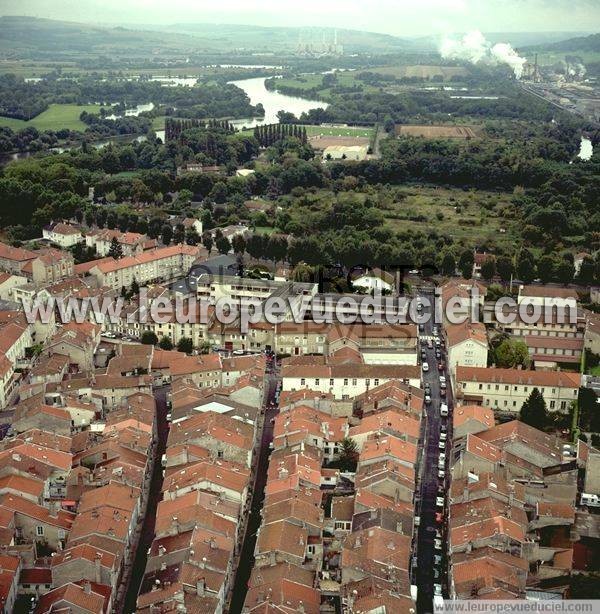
{"x":465,"y":494}
{"x":97,"y":570}
{"x":272,"y":558}
{"x":201,"y":587}
{"x":87,"y":587}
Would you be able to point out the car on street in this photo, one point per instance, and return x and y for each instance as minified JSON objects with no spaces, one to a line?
{"x":427,"y":388}
{"x":437,"y":559}
{"x":439,"y":501}
{"x":441,"y":366}
{"x":430,"y":344}
{"x":425,"y":367}
{"x":443,"y":380}
{"x":423,"y":354}
{"x":427,"y":399}
{"x":441,"y":444}
{"x":109,"y":335}
{"x":441,"y":474}
{"x":442,"y":392}
{"x":437,"y":544}
{"x":443,"y":410}
{"x":421,"y":328}
{"x":443,"y":436}
{"x":442,"y":458}
{"x":436,"y":574}
{"x":443,"y":428}
{"x":437,"y":589}
{"x":439,"y":517}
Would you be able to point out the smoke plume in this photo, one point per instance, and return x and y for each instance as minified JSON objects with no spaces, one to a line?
{"x":474,"y":48}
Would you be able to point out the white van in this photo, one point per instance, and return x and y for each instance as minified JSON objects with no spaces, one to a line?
{"x":590,"y":500}
{"x":443,"y":409}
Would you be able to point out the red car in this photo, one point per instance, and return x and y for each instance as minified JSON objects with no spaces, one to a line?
{"x":439,"y":517}
{"x":441,"y":366}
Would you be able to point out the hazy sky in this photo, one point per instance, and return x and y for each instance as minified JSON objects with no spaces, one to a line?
{"x":400,"y":17}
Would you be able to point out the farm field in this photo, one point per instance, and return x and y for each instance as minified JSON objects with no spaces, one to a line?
{"x":56,"y":117}
{"x":339,"y":131}
{"x":439,"y":132}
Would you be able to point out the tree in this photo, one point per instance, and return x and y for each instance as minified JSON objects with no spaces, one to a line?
{"x":505,"y":268}
{"x":510,"y":353}
{"x":135,"y":288}
{"x":526,"y":266}
{"x":207,"y":241}
{"x":238,"y":242}
{"x":179,"y":234}
{"x":348,"y":454}
{"x":565,"y":271}
{"x":223,"y":245}
{"x":116,"y":249}
{"x":534,"y":411}
{"x":488,"y":268}
{"x":448,"y":265}
{"x":546,"y":268}
{"x":149,"y":338}
{"x":185,"y":345}
{"x":165,"y":343}
{"x":166,"y":234}
{"x":465,"y":263}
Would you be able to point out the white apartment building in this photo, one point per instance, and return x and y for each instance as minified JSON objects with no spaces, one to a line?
{"x":507,"y":389}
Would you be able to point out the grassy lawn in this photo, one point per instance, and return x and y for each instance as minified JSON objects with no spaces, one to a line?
{"x":264,"y":230}
{"x":55,"y":117}
{"x":158,"y":123}
{"x":595,"y":371}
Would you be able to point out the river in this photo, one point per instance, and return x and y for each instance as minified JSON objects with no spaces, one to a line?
{"x":273,"y":102}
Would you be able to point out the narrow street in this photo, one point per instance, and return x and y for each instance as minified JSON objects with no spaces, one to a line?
{"x":246,"y":559}
{"x":149,"y":519}
{"x":431,"y":485}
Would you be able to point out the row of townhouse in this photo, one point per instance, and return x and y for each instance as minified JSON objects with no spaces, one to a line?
{"x":344,"y":379}
{"x":161,"y":264}
{"x":45,"y":265}
{"x":327,"y":534}
{"x":71,"y":505}
{"x":507,"y":389}
{"x":205,"y":498}
{"x":511,"y":510}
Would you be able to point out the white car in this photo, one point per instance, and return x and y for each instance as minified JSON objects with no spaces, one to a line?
{"x":441,"y":474}
{"x":443,"y":436}
{"x":442,"y":458}
{"x":437,"y":589}
{"x":441,"y":444}
{"x":437,"y":544}
{"x":109,"y":335}
{"x":437,"y":559}
{"x":427,"y":399}
{"x":439,"y":501}
{"x":425,"y":367}
{"x":443,"y":410}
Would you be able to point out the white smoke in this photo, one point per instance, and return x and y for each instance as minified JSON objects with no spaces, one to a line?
{"x":474,"y":48}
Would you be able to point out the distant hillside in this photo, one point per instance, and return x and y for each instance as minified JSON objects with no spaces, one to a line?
{"x":33,"y":38}
{"x":271,"y":38}
{"x":580,"y":44}
{"x":27,"y":37}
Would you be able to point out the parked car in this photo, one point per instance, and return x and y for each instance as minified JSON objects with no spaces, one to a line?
{"x":437,"y":589}
{"x":441,"y":444}
{"x":427,"y":399}
{"x":442,"y":458}
{"x":439,"y":501}
{"x":437,"y":544}
{"x":425,"y":367}
{"x":441,"y":474}
{"x":439,"y":517}
{"x":443,"y":410}
{"x":437,"y":559}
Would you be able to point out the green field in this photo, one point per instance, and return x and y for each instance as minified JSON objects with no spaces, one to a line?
{"x":473,"y":216}
{"x":350,"y":131}
{"x":56,"y":117}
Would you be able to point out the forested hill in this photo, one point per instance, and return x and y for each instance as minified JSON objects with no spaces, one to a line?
{"x":577,"y":44}
{"x":29,"y":37}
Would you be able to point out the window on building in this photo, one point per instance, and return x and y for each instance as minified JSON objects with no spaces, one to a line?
{"x":331,"y":382}
{"x":354,"y":382}
{"x":317,"y":380}
{"x":302,"y":382}
{"x":345,"y":381}
{"x":39,"y":530}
